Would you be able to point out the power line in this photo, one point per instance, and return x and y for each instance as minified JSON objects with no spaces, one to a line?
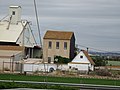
{"x":94,"y":48}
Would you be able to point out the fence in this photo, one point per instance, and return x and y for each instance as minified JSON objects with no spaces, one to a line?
{"x":11,"y":66}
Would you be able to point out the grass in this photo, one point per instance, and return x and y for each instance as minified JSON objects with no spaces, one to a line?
{"x":114,"y":63}
{"x":8,"y":85}
{"x":59,"y":79}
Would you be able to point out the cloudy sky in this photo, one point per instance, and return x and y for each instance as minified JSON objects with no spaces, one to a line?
{"x":96,"y":23}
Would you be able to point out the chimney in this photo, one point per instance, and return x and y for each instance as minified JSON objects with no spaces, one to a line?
{"x":87,"y":49}
{"x":14,"y":14}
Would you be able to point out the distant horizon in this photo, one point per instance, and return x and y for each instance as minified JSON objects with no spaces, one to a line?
{"x":96,"y":23}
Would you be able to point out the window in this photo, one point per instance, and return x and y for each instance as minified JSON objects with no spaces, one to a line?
{"x":49,"y":59}
{"x":65,"y":45}
{"x":50,"y":44}
{"x":57,"y":45}
{"x":81,"y":56}
{"x":13,"y":12}
{"x":70,"y":67}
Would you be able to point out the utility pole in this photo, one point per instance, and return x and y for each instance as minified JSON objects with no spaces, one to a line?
{"x":23,"y":49}
{"x":39,"y":31}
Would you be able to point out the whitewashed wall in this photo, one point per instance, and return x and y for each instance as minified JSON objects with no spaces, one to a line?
{"x":38,"y":67}
{"x":81,"y":67}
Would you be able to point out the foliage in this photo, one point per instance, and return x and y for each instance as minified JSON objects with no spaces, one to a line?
{"x":103,"y":72}
{"x":76,"y":50}
{"x":99,"y":61}
{"x":62,"y":60}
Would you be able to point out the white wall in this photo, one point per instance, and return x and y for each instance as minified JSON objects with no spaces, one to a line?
{"x":81,"y":60}
{"x":38,"y":67}
{"x":17,"y":17}
{"x":81,"y":67}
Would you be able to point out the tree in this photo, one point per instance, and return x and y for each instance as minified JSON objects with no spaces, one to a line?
{"x":99,"y":61}
{"x":61,"y":60}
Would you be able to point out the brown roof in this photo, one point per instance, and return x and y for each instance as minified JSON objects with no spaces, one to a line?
{"x":15,"y":48}
{"x":89,"y":58}
{"x":77,"y":63}
{"x":59,"y":35}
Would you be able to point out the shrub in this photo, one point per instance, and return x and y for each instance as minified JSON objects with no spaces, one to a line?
{"x":103,"y":72}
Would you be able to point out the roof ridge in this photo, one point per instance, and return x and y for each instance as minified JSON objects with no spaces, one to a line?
{"x":89,"y":58}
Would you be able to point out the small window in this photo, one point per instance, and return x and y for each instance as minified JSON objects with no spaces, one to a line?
{"x":76,"y":68}
{"x":13,"y":13}
{"x":70,"y":67}
{"x":49,"y":59}
{"x":65,"y":45}
{"x":81,"y":56}
{"x":57,"y":45}
{"x":50,"y":44}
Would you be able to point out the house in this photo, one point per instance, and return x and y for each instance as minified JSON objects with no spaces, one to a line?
{"x":16,"y":38}
{"x":82,"y":62}
{"x":58,"y":43}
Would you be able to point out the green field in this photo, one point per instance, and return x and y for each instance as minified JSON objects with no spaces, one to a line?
{"x":114,"y":63}
{"x":59,"y":79}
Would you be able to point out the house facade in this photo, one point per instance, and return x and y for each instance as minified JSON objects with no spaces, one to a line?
{"x":82,"y":62}
{"x":58,"y":43}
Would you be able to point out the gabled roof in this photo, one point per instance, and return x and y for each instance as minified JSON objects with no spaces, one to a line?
{"x":77,"y":59}
{"x":89,"y":58}
{"x":58,"y":35}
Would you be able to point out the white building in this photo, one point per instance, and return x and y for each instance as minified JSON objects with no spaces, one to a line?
{"x":82,"y":62}
{"x":16,"y":38}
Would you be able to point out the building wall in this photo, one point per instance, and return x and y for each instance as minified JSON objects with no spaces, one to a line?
{"x":52,"y":52}
{"x":72,"y":47}
{"x":17,"y":14}
{"x":28,"y":67}
{"x":80,"y":67}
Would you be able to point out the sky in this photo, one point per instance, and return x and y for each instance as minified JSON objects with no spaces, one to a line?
{"x":95,"y":23}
